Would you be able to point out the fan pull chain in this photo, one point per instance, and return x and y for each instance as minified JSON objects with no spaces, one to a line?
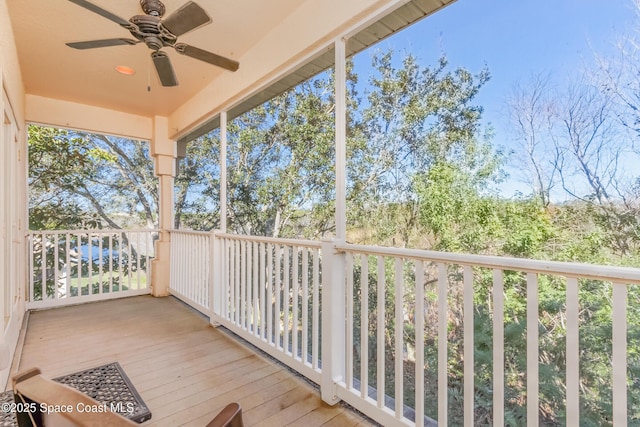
{"x":149,"y":75}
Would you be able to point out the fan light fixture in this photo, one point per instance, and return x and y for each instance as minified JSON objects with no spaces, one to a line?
{"x":127,"y":71}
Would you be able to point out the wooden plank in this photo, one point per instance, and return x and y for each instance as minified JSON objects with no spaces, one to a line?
{"x":257,"y":415}
{"x":318,"y":416}
{"x":293,"y":412}
{"x":247,"y":396}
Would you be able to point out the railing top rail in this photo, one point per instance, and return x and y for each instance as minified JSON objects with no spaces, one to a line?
{"x":95,"y":231}
{"x":274,"y":240}
{"x":626,"y":275}
{"x":191,"y":232}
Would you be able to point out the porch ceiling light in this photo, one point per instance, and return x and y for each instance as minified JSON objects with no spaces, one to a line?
{"x":123,"y":69}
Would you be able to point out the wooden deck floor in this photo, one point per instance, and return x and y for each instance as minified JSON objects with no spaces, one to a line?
{"x":184,"y":369}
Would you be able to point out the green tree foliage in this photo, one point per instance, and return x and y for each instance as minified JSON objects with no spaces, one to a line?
{"x":197,"y":185}
{"x":416,"y":120}
{"x":280,"y":164}
{"x":81,"y":180}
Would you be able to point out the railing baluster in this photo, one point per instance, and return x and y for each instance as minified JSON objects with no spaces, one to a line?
{"x":210,"y":266}
{"x":619,"y":354}
{"x":32,"y":290}
{"x":90,"y":261}
{"x":110,"y":261}
{"x":67,"y":282}
{"x":532,"y":350}
{"x":380,"y":298}
{"x":443,"y":359}
{"x":305,"y":306}
{"x":151,"y":249}
{"x":278,"y":296}
{"x":43,"y":266}
{"x":419,"y":339}
{"x":349,"y":330}
{"x":180,"y":274}
{"x":79,"y":254}
{"x":194,"y":273}
{"x":269,"y":298}
{"x":121,"y":244}
{"x":398,"y":338}
{"x":286,"y":289}
{"x":194,"y":286}
{"x":256,"y":299}
{"x":315,"y":313}
{"x":100,"y":261}
{"x":190,"y":274}
{"x":129,"y":279}
{"x":174,"y":264}
{"x":573,"y":353}
{"x":264,"y":301}
{"x":498,"y":348}
{"x":230,"y":284}
{"x":56,"y":246}
{"x":364,"y":326}
{"x":246,"y":291}
{"x":227,"y":279}
{"x":294,"y":301}
{"x":186,"y":269}
{"x":138,"y":250}
{"x":236,"y":290}
{"x":469,"y":347}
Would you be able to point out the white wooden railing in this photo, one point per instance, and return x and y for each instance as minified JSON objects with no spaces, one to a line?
{"x":73,"y":266}
{"x":405,"y":277}
{"x":340,"y":313}
{"x":191,"y":264}
{"x":269,"y":294}
{"x":267,"y":291}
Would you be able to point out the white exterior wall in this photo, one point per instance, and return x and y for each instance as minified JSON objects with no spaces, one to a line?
{"x":13,"y":215}
{"x":65,"y":114}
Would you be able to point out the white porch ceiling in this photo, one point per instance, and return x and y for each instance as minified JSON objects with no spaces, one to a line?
{"x":53,"y":70}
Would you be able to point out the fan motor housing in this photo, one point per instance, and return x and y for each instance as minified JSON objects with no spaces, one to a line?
{"x":150,"y":32}
{"x":152,"y":7}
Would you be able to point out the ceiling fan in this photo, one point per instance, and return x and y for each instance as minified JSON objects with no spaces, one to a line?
{"x":157,"y":33}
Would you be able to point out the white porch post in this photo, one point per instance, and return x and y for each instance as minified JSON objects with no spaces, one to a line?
{"x":341,"y":137}
{"x":333,"y":323}
{"x":217,"y":290}
{"x":223,"y":171}
{"x":164,"y":152}
{"x":333,"y":264}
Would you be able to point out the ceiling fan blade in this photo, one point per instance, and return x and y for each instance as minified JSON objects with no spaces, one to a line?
{"x":164,"y":68}
{"x":185,"y":19}
{"x":92,"y":44}
{"x":209,"y":57}
{"x":100,"y":11}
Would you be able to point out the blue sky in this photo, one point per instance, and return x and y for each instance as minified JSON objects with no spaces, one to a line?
{"x":516,"y":39}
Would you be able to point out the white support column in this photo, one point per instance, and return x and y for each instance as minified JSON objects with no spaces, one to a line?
{"x":341,"y":137}
{"x":333,"y":322}
{"x":164,"y":152}
{"x":333,"y":264}
{"x":223,"y":171}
